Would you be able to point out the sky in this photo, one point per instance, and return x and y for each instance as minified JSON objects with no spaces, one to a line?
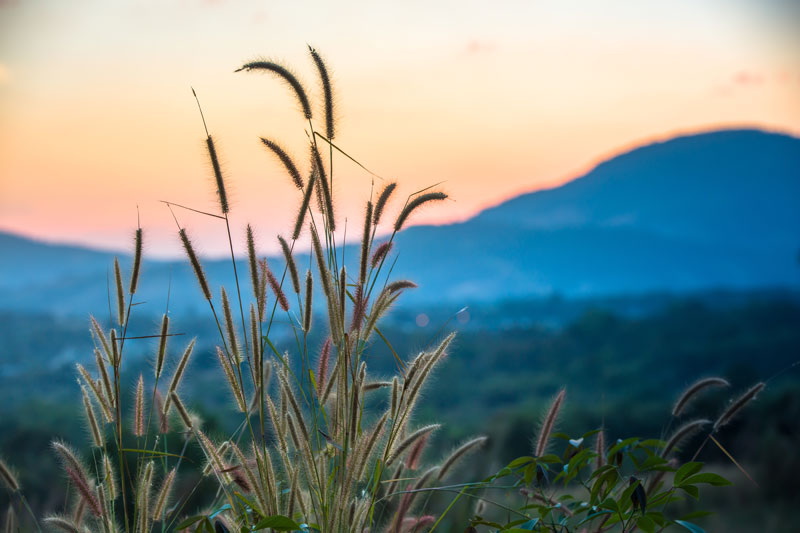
{"x":491,"y":99}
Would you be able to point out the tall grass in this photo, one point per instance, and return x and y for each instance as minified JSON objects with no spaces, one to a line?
{"x":322,"y":446}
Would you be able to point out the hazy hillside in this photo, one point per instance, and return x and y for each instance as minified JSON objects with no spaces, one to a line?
{"x":714,"y":210}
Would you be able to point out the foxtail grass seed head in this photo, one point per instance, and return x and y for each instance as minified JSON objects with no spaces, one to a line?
{"x":307,"y":309}
{"x":395,"y":397}
{"x":115,"y":354}
{"x":322,"y":365}
{"x":106,"y":379}
{"x":104,"y":403}
{"x":255,"y":341}
{"x":196,"y":266}
{"x":548,"y":423}
{"x":324,"y":186}
{"x":400,"y":285}
{"x":163,"y":495}
{"x":63,"y":523}
{"x":109,"y":478}
{"x":600,"y":448}
{"x":327,"y":91}
{"x":144,"y":488}
{"x":138,"y":414}
{"x":409,"y":441}
{"x":301,"y":214}
{"x":693,"y":390}
{"x":414,"y":456}
{"x":162,"y":345}
{"x":380,"y":204}
{"x":290,"y":264}
{"x":381,"y":252}
{"x":179,"y":371}
{"x":365,"y":244}
{"x":120,"y":293}
{"x":276,"y":287}
{"x":287,"y":76}
{"x":137,"y":261}
{"x":185,"y":417}
{"x":162,"y":419}
{"x":221,"y":192}
{"x":286,"y":159}
{"x":100,"y":334}
{"x":683,"y":433}
{"x":459,"y":453}
{"x":252,"y":261}
{"x":734,"y":408}
{"x":414,"y":204}
{"x":10,"y":479}
{"x":230,"y":377}
{"x":359,"y":308}
{"x":91,"y":420}
{"x":77,"y":474}
{"x":230,"y":326}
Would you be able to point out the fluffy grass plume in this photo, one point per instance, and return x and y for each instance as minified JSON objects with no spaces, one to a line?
{"x":63,"y":523}
{"x":162,"y":345}
{"x":105,"y":378}
{"x":275,"y":286}
{"x":222,"y":194}
{"x":8,"y":476}
{"x":307,"y":311}
{"x":138,"y":409}
{"x":286,"y":159}
{"x":327,"y":91}
{"x":178,"y":375}
{"x":137,"y":261}
{"x":163,"y":495}
{"x":409,"y":441}
{"x":10,"y":523}
{"x":78,"y":476}
{"x":548,"y":424}
{"x":120,"y":293}
{"x":252,"y":261}
{"x":381,"y":252}
{"x":230,"y":377}
{"x":322,"y":365}
{"x":91,"y":420}
{"x":109,"y":478}
{"x":230,"y":325}
{"x":287,"y":76}
{"x":734,"y":408}
{"x":693,"y":390}
{"x":600,"y":448}
{"x":196,"y":266}
{"x":290,"y":264}
{"x":301,"y":214}
{"x":414,"y":204}
{"x":380,"y":204}
{"x":365,"y":244}
{"x":459,"y":453}
{"x":184,"y":414}
{"x":324,"y":187}
{"x":683,"y":433}
{"x":98,"y":332}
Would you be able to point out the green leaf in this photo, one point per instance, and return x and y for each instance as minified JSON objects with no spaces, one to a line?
{"x":685,"y":471}
{"x":693,"y":491}
{"x":646,"y":525}
{"x":694,"y":528}
{"x":189,"y":521}
{"x":520,"y":461}
{"x":707,"y":477}
{"x":278,"y":523}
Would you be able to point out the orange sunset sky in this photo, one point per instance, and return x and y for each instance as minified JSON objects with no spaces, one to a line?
{"x":493,"y":98}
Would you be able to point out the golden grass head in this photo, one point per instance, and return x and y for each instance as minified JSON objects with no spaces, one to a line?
{"x":137,"y":261}
{"x":195,"y":262}
{"x":740,"y":403}
{"x":694,"y":389}
{"x":327,"y":91}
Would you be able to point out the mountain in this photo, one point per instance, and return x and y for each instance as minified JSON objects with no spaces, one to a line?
{"x":712,"y":210}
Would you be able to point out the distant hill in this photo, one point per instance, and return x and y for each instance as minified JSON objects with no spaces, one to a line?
{"x":713,"y":210}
